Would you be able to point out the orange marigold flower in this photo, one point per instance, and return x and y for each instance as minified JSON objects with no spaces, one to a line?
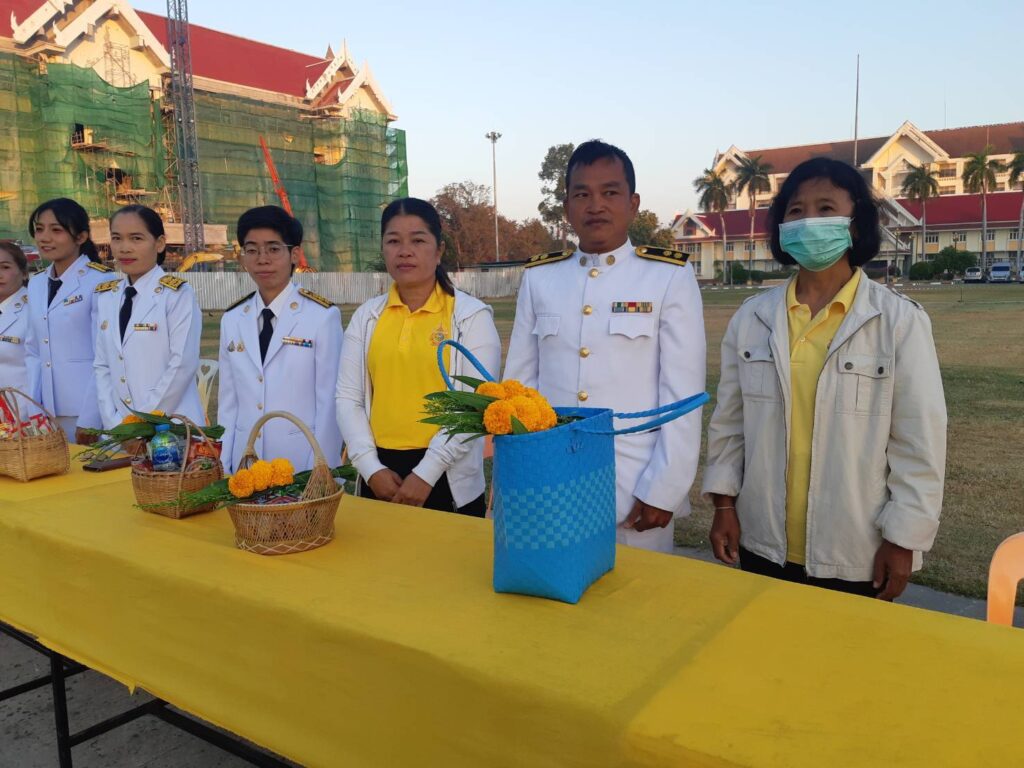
{"x":533,"y":394}
{"x":498,"y":417}
{"x":283,"y":472}
{"x":241,"y":484}
{"x":548,"y":417}
{"x":527,"y":411}
{"x":513,"y":388}
{"x":491,"y":389}
{"x":131,"y":418}
{"x":157,"y":413}
{"x":262,"y":475}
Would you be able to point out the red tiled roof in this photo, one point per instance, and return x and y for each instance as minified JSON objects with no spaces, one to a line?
{"x":215,"y":55}
{"x":22,"y":9}
{"x":950,"y":211}
{"x":958,"y":142}
{"x":220,"y":56}
{"x":737,"y":224}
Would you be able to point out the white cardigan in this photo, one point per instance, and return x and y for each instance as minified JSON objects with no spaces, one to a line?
{"x":473,"y":327}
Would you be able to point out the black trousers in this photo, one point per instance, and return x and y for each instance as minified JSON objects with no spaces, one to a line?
{"x":440,"y":498}
{"x":795,"y":572}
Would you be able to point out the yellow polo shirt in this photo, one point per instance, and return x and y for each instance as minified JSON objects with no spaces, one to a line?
{"x":808,"y":347}
{"x":402,"y":362}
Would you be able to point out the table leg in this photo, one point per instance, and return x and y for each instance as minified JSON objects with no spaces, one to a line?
{"x":60,"y":710}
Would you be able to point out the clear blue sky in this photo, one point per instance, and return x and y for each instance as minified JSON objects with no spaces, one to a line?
{"x":669,"y":82}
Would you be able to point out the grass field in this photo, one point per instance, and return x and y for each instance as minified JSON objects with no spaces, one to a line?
{"x":979,"y":332}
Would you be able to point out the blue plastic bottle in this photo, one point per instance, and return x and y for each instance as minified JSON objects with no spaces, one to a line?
{"x":165,"y":450}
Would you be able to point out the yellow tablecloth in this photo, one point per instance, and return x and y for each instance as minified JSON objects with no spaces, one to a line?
{"x":388,"y":647}
{"x":75,"y":481}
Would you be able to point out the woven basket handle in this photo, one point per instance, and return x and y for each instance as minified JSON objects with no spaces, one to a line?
{"x":466,"y":354}
{"x":664,"y":413}
{"x":8,"y":393}
{"x":250,"y":448}
{"x":190,"y":426}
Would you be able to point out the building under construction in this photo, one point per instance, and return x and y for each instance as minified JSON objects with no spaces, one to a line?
{"x":85,"y":112}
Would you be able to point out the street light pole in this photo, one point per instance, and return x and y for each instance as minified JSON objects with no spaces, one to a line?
{"x":494,"y":136}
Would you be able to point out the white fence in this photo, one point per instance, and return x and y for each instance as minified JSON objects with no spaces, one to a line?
{"x":219,"y":290}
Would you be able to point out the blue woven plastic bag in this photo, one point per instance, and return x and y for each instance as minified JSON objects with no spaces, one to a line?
{"x":554,"y":498}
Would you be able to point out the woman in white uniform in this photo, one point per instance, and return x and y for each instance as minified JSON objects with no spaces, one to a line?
{"x":148,"y":325}
{"x":59,"y":346}
{"x":13,"y":317}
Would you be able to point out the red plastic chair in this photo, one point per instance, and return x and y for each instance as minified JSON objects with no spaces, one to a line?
{"x":1004,"y":573}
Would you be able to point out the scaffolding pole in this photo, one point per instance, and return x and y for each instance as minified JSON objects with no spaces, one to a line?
{"x":182,"y":96}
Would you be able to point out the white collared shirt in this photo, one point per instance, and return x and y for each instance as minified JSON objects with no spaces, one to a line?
{"x":277,"y":306}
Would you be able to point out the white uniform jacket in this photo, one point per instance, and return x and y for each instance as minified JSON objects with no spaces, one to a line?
{"x":299,"y":376}
{"x":154,"y":367}
{"x":60,"y":341}
{"x":622,"y":330}
{"x":13,"y":330}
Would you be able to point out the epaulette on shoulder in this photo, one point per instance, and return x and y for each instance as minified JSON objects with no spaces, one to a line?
{"x":241,"y":301}
{"x":905,"y":297}
{"x":316,"y":297}
{"x":110,"y":285}
{"x":548,"y":258}
{"x":99,"y":267}
{"x":666,"y":255}
{"x":172,"y":282}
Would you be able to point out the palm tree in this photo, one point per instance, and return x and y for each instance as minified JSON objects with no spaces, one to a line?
{"x":1016,"y":169}
{"x":979,"y":176}
{"x":921,"y":184}
{"x":714,"y":196}
{"x":752,"y":176}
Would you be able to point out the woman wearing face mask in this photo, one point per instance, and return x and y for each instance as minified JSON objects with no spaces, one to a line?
{"x":13,"y":317}
{"x":826,"y":450}
{"x":389,"y":363}
{"x":62,"y":316}
{"x":147,"y":327}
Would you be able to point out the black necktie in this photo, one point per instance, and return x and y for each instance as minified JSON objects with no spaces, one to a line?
{"x":54,"y":287}
{"x":266,"y":332}
{"x":126,"y":309}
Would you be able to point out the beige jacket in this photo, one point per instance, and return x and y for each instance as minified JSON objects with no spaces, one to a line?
{"x":878,"y":452}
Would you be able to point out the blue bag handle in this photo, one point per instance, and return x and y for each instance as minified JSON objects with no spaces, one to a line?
{"x":664,"y":413}
{"x":465,"y":353}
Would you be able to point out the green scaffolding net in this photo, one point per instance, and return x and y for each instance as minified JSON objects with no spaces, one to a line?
{"x":66,"y":132}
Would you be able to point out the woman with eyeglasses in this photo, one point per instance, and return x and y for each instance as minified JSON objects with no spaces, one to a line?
{"x":279,"y":350}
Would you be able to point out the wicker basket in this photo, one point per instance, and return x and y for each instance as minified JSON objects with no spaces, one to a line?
{"x":165,"y":488}
{"x":282,"y":529}
{"x":26,"y":458}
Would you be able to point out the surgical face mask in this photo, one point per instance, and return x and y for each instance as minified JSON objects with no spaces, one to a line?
{"x":816,"y":243}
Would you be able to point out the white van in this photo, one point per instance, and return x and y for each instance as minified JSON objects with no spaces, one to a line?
{"x":1001,"y":272}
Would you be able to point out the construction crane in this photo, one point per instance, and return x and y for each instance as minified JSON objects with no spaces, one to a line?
{"x":190,"y":191}
{"x":282,"y":195}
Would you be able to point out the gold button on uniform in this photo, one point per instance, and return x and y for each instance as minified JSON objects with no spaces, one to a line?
{"x":595,"y":272}
{"x":122,"y":379}
{"x":259,"y":379}
{"x":584,"y":352}
{"x":47,"y":363}
{"x":610,"y":260}
{"x":582,"y":396}
{"x":128,"y":401}
{"x":259,"y":406}
{"x":587,"y":309}
{"x":583,"y":261}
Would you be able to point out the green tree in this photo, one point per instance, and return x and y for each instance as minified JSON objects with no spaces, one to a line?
{"x":552,"y":189}
{"x":954,"y":261}
{"x":980,"y":176}
{"x":921,"y":184}
{"x":752,"y":176}
{"x":714,"y":196}
{"x":1016,"y":168}
{"x":647,"y":230}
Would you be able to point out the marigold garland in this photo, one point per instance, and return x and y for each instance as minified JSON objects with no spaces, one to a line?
{"x":241,"y":484}
{"x":284,"y":472}
{"x":262,"y":475}
{"x":498,"y":417}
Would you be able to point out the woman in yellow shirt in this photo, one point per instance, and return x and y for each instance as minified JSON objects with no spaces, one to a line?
{"x":826,"y":450}
{"x":389,"y":364}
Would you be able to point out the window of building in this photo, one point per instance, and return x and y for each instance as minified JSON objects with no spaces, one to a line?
{"x":947,"y":190}
{"x":947,"y":173}
{"x":730,"y":247}
{"x":691,"y":248}
{"x":959,"y":237}
{"x":991,"y":235}
{"x":932,"y":237}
